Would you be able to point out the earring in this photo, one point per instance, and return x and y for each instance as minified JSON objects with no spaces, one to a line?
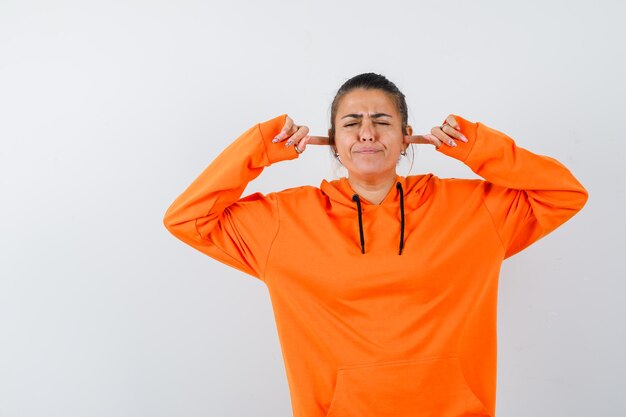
{"x":403,"y":153}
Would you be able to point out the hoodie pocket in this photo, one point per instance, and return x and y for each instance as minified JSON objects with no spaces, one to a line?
{"x":425,"y":387}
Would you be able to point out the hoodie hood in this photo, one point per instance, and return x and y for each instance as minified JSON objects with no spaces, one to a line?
{"x":406,"y":194}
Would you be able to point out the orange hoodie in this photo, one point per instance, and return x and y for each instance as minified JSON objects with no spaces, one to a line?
{"x":386,"y":310}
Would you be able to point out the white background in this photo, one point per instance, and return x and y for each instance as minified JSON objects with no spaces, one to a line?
{"x":109,"y":110}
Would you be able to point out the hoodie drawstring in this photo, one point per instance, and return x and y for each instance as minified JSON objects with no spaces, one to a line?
{"x":358,"y":204}
{"x":399,"y":187}
{"x":356,"y":198}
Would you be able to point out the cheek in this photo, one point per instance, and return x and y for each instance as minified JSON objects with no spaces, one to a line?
{"x":398,"y":142}
{"x":343,"y":142}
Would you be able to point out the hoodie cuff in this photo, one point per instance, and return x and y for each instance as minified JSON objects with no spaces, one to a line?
{"x":462,"y":149}
{"x":276,"y":151}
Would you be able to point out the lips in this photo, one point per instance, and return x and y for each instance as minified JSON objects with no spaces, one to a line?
{"x":367,"y":150}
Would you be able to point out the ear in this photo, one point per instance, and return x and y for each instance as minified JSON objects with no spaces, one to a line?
{"x":409,"y":132}
{"x":333,"y":147}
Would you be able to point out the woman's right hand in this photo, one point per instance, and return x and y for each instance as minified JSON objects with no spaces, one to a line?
{"x":298,"y":136}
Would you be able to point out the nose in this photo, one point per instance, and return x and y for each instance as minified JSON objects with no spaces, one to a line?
{"x":367,"y":132}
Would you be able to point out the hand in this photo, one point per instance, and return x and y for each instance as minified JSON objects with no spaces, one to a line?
{"x":445,"y":133}
{"x":298,"y":136}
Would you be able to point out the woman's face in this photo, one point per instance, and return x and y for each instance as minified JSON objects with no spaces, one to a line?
{"x":368,"y":133}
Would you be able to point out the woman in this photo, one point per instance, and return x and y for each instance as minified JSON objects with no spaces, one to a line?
{"x":384,"y":287}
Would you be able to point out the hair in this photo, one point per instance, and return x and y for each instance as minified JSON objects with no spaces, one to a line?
{"x":368,"y":81}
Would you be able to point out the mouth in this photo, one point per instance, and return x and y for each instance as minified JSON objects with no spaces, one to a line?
{"x":368,"y":151}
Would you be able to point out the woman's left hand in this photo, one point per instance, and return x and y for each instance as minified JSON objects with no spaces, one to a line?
{"x":446,"y":133}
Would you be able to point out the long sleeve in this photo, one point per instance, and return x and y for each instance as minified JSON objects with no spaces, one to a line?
{"x":528,"y":195}
{"x":210,"y":214}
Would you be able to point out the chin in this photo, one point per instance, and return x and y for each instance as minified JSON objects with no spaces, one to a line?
{"x":362,"y":170}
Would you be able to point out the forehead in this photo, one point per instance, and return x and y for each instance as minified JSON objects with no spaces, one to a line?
{"x":362,"y":100}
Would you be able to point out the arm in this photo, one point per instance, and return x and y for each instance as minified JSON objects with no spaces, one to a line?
{"x":210,"y":215}
{"x":528,"y":195}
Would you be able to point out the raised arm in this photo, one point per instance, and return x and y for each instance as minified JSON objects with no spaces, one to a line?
{"x":528,"y":195}
{"x":210,"y":214}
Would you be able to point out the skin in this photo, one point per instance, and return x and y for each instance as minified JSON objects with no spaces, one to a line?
{"x":369,"y":139}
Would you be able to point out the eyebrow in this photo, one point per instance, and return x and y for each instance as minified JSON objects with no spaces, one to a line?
{"x":360,"y":116}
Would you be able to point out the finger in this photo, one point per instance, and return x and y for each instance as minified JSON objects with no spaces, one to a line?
{"x":452,"y":122}
{"x":303,"y":142}
{"x":442,"y":136}
{"x":453,"y":129}
{"x":454,"y":132}
{"x":318,"y":140}
{"x":314,"y":140}
{"x":284,"y":133}
{"x":301,"y":132}
{"x":427,"y":139}
{"x":450,"y":131}
{"x":417,"y":139}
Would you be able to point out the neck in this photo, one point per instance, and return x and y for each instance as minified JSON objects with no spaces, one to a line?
{"x":375,"y":188}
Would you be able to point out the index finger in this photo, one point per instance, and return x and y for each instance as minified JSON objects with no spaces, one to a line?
{"x":318,"y":140}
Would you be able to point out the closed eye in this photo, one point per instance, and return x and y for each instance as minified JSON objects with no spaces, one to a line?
{"x":380,"y":123}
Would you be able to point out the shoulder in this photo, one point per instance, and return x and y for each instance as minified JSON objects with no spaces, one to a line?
{"x":432,"y":180}
{"x":430,"y":185}
{"x":297,"y":193}
{"x":468,"y":183}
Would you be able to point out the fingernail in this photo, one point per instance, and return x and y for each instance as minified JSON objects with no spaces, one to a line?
{"x":275,"y":140}
{"x":452,"y":143}
{"x":289,"y":142}
{"x":463,"y":138}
